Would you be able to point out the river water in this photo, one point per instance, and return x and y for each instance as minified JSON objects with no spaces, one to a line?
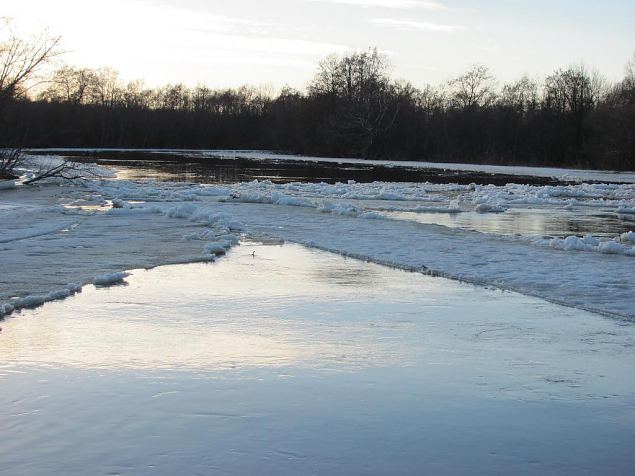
{"x":283,"y":360}
{"x":526,"y":221}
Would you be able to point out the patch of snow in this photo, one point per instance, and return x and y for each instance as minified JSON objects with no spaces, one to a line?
{"x":74,"y":288}
{"x":282,"y":199}
{"x":215,"y":248}
{"x":27,"y":302}
{"x":628,"y":236}
{"x":111,"y":278}
{"x":586,"y":243}
{"x":489,"y":208}
{"x":181,"y":211}
{"x":339,"y":208}
{"x":614,"y":248}
{"x":6,"y":308}
{"x":7,"y":184}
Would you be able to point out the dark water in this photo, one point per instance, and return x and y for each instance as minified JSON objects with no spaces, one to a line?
{"x":195,"y":168}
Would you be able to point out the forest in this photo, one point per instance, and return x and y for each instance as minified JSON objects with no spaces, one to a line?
{"x":352,"y":107}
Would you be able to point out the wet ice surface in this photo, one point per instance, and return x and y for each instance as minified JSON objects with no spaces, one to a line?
{"x":549,"y":221}
{"x":302,"y":362}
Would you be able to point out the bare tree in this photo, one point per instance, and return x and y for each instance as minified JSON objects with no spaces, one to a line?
{"x":574,"y":90}
{"x":70,"y":85}
{"x":106,"y":89}
{"x":21,"y":59}
{"x":327,"y":79}
{"x":521,"y":95}
{"x":136,"y":95}
{"x":571,"y":95}
{"x":474,"y":88}
{"x":629,"y":73}
{"x":628,"y":84}
{"x":430,"y":100}
{"x":363,"y":101}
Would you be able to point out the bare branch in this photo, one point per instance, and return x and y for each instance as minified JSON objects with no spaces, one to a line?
{"x":66,"y":169}
{"x":20,"y":60}
{"x":9,"y":159}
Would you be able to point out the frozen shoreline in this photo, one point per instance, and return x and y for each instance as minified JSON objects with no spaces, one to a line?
{"x":56,"y":238}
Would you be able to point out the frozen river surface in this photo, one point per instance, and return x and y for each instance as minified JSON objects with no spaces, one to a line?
{"x":293,"y":361}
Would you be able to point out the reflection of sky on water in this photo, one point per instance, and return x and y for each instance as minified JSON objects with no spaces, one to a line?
{"x":243,"y":311}
{"x":146,"y":165}
{"x":297,"y":359}
{"x":217,"y":171}
{"x":286,"y":306}
{"x":527,"y":221}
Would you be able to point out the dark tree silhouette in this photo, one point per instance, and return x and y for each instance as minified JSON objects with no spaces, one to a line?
{"x":352,"y":107}
{"x":20,"y":59}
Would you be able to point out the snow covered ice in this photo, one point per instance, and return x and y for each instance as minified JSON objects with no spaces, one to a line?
{"x":59,"y":234}
{"x":111,"y":278}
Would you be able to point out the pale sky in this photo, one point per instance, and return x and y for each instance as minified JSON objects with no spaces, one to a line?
{"x":277,"y":42}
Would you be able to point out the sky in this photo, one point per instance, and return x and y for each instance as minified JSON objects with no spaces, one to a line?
{"x":226,"y":43}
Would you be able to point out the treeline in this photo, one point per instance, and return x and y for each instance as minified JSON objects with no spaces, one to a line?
{"x":352,"y":107}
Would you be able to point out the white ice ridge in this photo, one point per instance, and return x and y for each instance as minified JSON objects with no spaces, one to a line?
{"x":110,"y":278}
{"x":153,"y":223}
{"x":622,"y":245}
{"x":35,"y":300}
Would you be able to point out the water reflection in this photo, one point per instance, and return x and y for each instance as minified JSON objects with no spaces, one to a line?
{"x":194,"y":167}
{"x":266,"y":306}
{"x":526,"y":221}
{"x":246,"y":310}
{"x":292,"y":361}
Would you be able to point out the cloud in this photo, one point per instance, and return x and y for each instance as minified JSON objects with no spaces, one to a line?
{"x":209,"y":41}
{"x":420,"y":4}
{"x":415,"y":25}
